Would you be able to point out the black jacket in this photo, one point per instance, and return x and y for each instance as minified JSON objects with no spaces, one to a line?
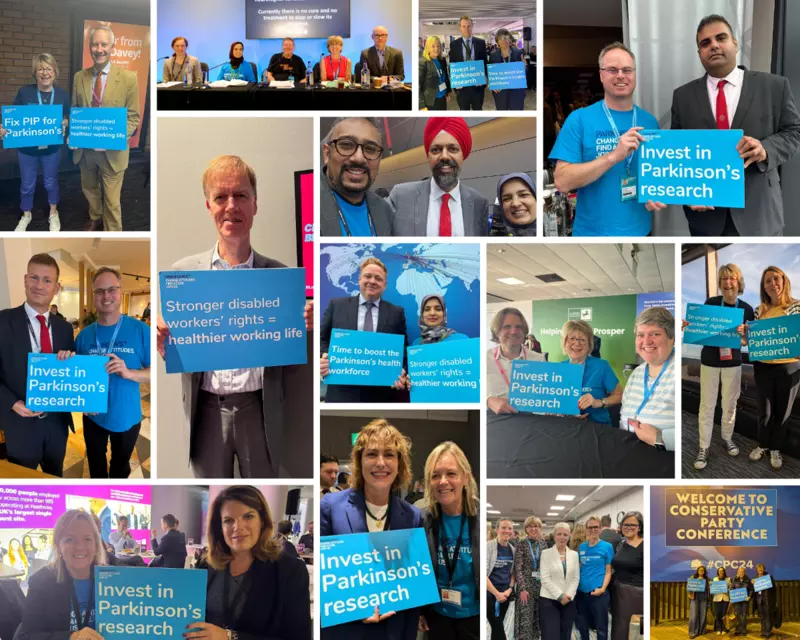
{"x":172,"y":549}
{"x":47,"y":608}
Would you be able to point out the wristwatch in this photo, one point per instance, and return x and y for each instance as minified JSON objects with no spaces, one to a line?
{"x":232,"y":635}
{"x":605,"y":404}
{"x":660,"y":441}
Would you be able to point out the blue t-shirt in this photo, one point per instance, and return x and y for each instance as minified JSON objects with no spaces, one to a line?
{"x":501,"y":574}
{"x":463,"y":576}
{"x":453,"y":336}
{"x":133,"y":347}
{"x":356,"y":216}
{"x":593,"y":564}
{"x":442,"y":92}
{"x":599,"y":379}
{"x":83,"y":589}
{"x":243,"y":72}
{"x":585,"y":136}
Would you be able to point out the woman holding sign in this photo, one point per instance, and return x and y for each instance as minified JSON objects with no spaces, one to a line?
{"x":721,"y":601}
{"x":381,"y":464}
{"x":506,"y":99}
{"x":433,"y":322}
{"x":527,"y":567}
{"x":561,"y":568}
{"x":766,"y":603}
{"x":434,"y":80}
{"x":61,"y":595}
{"x":698,"y":607}
{"x":742,"y":581}
{"x":777,"y":381}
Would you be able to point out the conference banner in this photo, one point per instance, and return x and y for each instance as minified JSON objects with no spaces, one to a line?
{"x":364,"y":358}
{"x":691,"y":167}
{"x":34,"y":125}
{"x":713,"y":326}
{"x":446,"y":371}
{"x":695,"y":585}
{"x":545,"y":387}
{"x":304,"y":211}
{"x":471,"y":73}
{"x":137,"y":602}
{"x":664,"y":299}
{"x":507,"y":75}
{"x":391,"y":570}
{"x":738,"y":595}
{"x":718,"y":586}
{"x":78,"y":384}
{"x":98,"y":128}
{"x":774,"y":338}
{"x":131,"y":52}
{"x":233,"y":318}
{"x":761,"y":583}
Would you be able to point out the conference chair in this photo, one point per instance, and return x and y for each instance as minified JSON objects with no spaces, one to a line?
{"x":204,"y":70}
{"x":255,"y":70}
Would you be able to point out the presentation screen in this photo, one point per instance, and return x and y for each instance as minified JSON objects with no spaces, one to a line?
{"x":304,"y":216}
{"x":297,"y":18}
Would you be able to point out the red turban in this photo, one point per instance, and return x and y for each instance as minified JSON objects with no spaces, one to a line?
{"x":456,"y":127}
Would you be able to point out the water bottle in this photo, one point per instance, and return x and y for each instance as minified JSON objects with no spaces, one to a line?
{"x":264,"y":77}
{"x":365,"y":80}
{"x":309,"y":75}
{"x":291,"y":78}
{"x":187,"y":76}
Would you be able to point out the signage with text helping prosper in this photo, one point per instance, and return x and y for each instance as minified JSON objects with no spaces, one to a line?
{"x":364,"y":358}
{"x":545,"y":387}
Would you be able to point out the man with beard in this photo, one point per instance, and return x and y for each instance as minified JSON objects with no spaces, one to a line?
{"x":351,"y":155}
{"x":441,"y":206}
{"x":761,"y":104}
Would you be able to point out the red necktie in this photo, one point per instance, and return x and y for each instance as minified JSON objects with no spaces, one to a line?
{"x":445,"y":225}
{"x":98,"y":90}
{"x":722,"y":107}
{"x":44,"y":335}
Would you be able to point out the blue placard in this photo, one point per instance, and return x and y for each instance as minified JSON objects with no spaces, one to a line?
{"x":692,"y":167}
{"x":390,"y":569}
{"x":696,"y":585}
{"x":445,"y":372}
{"x":774,"y":338}
{"x":761,"y":583}
{"x":545,"y":387}
{"x":718,"y":586}
{"x":365,"y":358}
{"x":713,"y":326}
{"x":233,"y":318}
{"x":79,"y":384}
{"x":467,"y":74}
{"x":34,"y":125}
{"x":98,"y":128}
{"x":738,"y":595}
{"x":507,"y":75}
{"x":148,"y":604}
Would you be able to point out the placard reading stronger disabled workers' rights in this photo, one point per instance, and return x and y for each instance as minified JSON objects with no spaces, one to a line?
{"x":467,"y":74}
{"x":545,"y":387}
{"x":98,"y":128}
{"x":774,"y":338}
{"x":446,"y":371}
{"x":33,"y":125}
{"x":78,"y":384}
{"x":713,"y":326}
{"x":233,"y":319}
{"x":364,"y":358}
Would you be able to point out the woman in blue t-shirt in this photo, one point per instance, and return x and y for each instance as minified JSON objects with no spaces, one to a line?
{"x":452,"y":528}
{"x":433,"y":322}
{"x":600,"y":388}
{"x":238,"y":67}
{"x":500,"y":577}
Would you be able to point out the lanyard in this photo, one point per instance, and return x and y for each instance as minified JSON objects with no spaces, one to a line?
{"x":533,"y":555}
{"x":346,"y":226}
{"x":439,"y":71}
{"x":83,"y":620}
{"x":52,"y":96}
{"x":337,"y":69}
{"x":100,"y":352}
{"x":629,"y":158}
{"x":179,"y":74}
{"x":33,"y":333}
{"x":242,"y":592}
{"x":648,"y":393}
{"x":451,"y":566}
{"x":500,"y":369}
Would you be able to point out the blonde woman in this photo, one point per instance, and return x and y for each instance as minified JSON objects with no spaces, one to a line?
{"x":335,"y":66}
{"x":434,"y":80}
{"x":560,"y":577}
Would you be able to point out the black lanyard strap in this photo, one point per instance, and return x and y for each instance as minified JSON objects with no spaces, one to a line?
{"x":347,"y":226}
{"x":451,"y":565}
{"x":33,"y":333}
{"x":82,"y":620}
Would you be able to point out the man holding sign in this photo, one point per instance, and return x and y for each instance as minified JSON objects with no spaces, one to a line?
{"x":761,"y":104}
{"x":463,"y":50}
{"x":102,"y":171}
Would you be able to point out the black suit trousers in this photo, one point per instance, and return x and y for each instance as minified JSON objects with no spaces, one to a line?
{"x":44,"y":443}
{"x":470,"y":98}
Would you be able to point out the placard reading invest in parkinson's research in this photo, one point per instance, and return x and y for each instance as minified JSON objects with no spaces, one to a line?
{"x":391,"y":570}
{"x":447,"y":371}
{"x":149,"y":604}
{"x":233,"y":319}
{"x":774,"y":338}
{"x":691,"y":167}
{"x":545,"y":387}
{"x":467,"y":74}
{"x":364,"y":358}
{"x":78,"y":384}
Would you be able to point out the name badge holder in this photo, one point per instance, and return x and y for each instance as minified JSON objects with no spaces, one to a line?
{"x":726,"y":353}
{"x":628,"y":182}
{"x":450,"y":595}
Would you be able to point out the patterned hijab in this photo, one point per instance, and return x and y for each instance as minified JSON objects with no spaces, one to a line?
{"x":433,"y":334}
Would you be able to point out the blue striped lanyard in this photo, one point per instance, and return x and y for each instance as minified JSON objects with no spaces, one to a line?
{"x":100,"y":352}
{"x":629,"y":159}
{"x":649,"y":392}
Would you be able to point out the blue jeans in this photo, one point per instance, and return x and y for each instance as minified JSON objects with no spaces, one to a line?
{"x":593,"y":610}
{"x":29,"y":168}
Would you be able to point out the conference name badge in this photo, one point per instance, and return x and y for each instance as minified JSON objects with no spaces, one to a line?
{"x":628,"y":188}
{"x":451,"y":596}
{"x":725,"y":353}
{"x":536,"y":575}
{"x":442,"y":86}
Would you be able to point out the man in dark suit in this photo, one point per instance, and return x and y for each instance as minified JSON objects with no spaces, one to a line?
{"x":171,"y":551}
{"x":367,"y":311}
{"x":464,"y":49}
{"x":272,"y":434}
{"x":382,"y":60}
{"x":284,"y":528}
{"x":33,"y":438}
{"x":730,"y":97}
{"x":307,"y":539}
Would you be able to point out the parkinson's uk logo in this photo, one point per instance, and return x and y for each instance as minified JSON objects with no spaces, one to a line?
{"x":177,"y":280}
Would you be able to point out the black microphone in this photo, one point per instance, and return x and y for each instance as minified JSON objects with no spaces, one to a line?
{"x":164,"y":58}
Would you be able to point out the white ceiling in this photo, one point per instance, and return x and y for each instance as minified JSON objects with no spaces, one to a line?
{"x":454,"y":9}
{"x":481,"y":26}
{"x":588,"y":270}
{"x":586,"y":13}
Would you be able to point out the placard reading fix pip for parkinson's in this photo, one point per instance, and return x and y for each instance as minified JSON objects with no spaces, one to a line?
{"x":391,"y":570}
{"x":99,"y":128}
{"x":545,"y":387}
{"x":761,"y":583}
{"x":297,"y":18}
{"x":138,"y":602}
{"x":33,"y":125}
{"x":446,"y":371}
{"x":233,"y":319}
{"x":696,"y":585}
{"x":365,"y":358}
{"x":713,"y":326}
{"x":467,"y":74}
{"x":774,"y":338}
{"x":507,"y":75}
{"x":691,"y":167}
{"x":78,"y":384}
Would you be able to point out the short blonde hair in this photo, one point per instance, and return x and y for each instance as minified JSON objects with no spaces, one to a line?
{"x":429,"y":42}
{"x":531,"y":520}
{"x":562,"y":525}
{"x":374,"y":261}
{"x":470,"y":487}
{"x":596,"y":519}
{"x":226,"y":164}
{"x":499,"y":319}
{"x":731,"y":270}
{"x":62,"y":524}
{"x":577,"y":325}
{"x":380,"y":430}
{"x":44,"y":58}
{"x":334,"y":40}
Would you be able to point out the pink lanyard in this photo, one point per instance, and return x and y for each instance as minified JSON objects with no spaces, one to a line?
{"x":500,"y":369}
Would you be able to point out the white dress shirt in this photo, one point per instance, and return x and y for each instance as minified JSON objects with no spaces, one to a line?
{"x":105,"y":71}
{"x":495,"y":361}
{"x":435,"y":206}
{"x":362,"y":313}
{"x":36,"y":347}
{"x":732,"y":91}
{"x":227,"y":381}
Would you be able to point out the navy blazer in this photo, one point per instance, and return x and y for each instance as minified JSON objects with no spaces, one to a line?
{"x":344,"y":512}
{"x":172,"y":550}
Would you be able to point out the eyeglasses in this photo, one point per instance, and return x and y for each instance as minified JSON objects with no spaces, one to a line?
{"x":626,"y":71}
{"x":577,"y":340}
{"x":347,"y":147}
{"x":380,"y":35}
{"x":630,"y":526}
{"x":592,"y":528}
{"x":110,"y":290}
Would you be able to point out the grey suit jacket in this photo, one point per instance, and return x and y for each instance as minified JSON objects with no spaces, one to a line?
{"x":767,"y":112}
{"x":379,"y":209}
{"x":409,"y":202}
{"x":287,"y":397}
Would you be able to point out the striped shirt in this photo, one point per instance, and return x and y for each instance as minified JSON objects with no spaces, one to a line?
{"x":660,"y":408}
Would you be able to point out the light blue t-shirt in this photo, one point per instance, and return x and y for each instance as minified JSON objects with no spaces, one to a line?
{"x":133,"y":347}
{"x":600,"y":380}
{"x":243,"y":72}
{"x":442,"y":92}
{"x":593,"y":564}
{"x":585,"y":136}
{"x":83,"y":589}
{"x":356,"y":216}
{"x":463,"y":576}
